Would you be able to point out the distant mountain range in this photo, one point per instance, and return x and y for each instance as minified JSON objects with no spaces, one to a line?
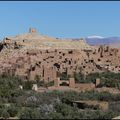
{"x":98,"y":40}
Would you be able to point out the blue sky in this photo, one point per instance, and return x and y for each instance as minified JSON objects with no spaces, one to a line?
{"x":61,"y":19}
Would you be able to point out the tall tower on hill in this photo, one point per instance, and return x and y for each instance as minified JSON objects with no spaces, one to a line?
{"x":33,"y":30}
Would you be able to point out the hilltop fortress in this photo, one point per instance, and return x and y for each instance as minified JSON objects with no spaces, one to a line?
{"x":32,"y":54}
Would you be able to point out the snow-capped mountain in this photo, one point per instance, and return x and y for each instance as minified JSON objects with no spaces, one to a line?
{"x":95,"y":36}
{"x":97,"y":40}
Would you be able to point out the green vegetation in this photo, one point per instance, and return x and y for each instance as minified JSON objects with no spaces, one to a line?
{"x":27,"y":104}
{"x":79,"y":77}
{"x":64,"y":76}
{"x":108,"y":79}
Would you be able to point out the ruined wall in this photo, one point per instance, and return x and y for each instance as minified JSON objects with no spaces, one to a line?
{"x":70,"y":82}
{"x":85,"y":86}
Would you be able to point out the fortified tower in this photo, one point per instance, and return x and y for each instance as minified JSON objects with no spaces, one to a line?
{"x":33,"y":30}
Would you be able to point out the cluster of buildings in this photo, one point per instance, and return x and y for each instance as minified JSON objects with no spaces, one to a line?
{"x":19,"y":59}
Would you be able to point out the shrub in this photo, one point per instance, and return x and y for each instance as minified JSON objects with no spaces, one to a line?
{"x":64,"y":76}
{"x":51,"y":83}
{"x":92,"y":77}
{"x":79,"y":77}
{"x":12,"y":110}
{"x":29,"y":113}
{"x":7,"y":85}
{"x":56,"y":115}
{"x":27,"y":85}
{"x":5,"y":114}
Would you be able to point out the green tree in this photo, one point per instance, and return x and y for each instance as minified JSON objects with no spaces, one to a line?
{"x":56,"y":115}
{"x":29,"y":113}
{"x":12,"y":110}
{"x":27,"y":85}
{"x":79,"y":77}
{"x":64,"y":76}
{"x":5,"y":114}
{"x":92,"y":77}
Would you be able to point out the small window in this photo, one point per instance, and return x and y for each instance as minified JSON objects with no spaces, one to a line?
{"x":33,"y":68}
{"x":111,"y":54}
{"x":63,"y":54}
{"x":69,"y":62}
{"x":70,"y":52}
{"x":75,"y":62}
{"x":57,"y":65}
{"x":47,"y":51}
{"x":60,"y":57}
{"x":99,"y":59}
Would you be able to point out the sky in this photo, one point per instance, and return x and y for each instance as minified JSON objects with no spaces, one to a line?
{"x":63,"y":19}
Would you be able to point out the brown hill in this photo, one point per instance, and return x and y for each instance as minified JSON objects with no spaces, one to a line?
{"x":34,"y":54}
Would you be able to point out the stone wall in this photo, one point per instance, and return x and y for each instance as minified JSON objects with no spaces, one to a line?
{"x":85,"y":86}
{"x":70,"y":82}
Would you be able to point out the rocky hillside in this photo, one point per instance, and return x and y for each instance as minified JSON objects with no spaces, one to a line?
{"x":34,"y":40}
{"x":32,"y":54}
